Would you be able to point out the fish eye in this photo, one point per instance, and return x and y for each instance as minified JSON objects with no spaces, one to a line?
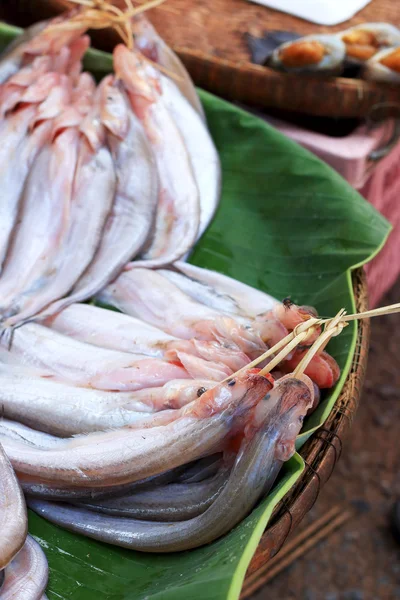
{"x":232,"y":382}
{"x":201,"y":391}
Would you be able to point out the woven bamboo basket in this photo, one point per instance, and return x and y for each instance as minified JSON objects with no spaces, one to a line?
{"x":320,"y":454}
{"x":323,"y":449}
{"x":211,"y":41}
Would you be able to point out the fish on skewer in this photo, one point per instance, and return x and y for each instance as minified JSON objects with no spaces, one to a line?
{"x":26,"y":576}
{"x":125,"y":455}
{"x":178,"y":210}
{"x":82,"y":364}
{"x":13,"y":515}
{"x":269,"y":440}
{"x":145,"y":294}
{"x":132,"y":214}
{"x":117,"y":331}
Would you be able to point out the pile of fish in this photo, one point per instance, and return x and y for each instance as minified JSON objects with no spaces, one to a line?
{"x":370,"y":51}
{"x":140,"y":426}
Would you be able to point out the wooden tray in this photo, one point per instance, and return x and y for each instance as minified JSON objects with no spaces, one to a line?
{"x":210,"y":38}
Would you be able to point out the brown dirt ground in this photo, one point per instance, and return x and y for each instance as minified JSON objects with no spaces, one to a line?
{"x":361,"y":560}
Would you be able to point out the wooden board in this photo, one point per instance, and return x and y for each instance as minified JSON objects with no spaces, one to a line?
{"x":210,"y":38}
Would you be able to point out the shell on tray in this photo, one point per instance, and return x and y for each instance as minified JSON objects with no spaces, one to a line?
{"x":365,"y":41}
{"x":384,"y":66}
{"x":310,"y":54}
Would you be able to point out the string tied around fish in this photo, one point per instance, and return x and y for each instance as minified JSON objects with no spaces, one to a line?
{"x":332,"y":327}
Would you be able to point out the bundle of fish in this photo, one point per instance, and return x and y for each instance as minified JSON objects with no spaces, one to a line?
{"x":93,"y":176}
{"x":140,"y":428}
{"x":370,"y":50}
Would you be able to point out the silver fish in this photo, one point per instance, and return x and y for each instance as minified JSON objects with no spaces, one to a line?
{"x":27,"y":435}
{"x":201,"y":149}
{"x":132,"y":214}
{"x":123,"y":456}
{"x":13,"y":516}
{"x":146,"y":294}
{"x":54,"y":354}
{"x":219,"y":291}
{"x":63,"y":410}
{"x":41,"y":222}
{"x":269,"y":441}
{"x":92,"y":194}
{"x":153,"y":47}
{"x":26,"y":577}
{"x":171,"y":502}
{"x":109,"y":329}
{"x":178,"y":210}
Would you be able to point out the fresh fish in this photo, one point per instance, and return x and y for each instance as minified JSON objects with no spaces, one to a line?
{"x":13,"y":90}
{"x":171,"y":502}
{"x":26,"y":577}
{"x":173,"y":394}
{"x":63,"y":410}
{"x":219,"y":291}
{"x":17,"y":431}
{"x":202,"y":469}
{"x":90,"y":494}
{"x":269,"y":440}
{"x":44,"y":216}
{"x":109,"y":329}
{"x":147,"y":295}
{"x":91,"y":198}
{"x":178,"y":210}
{"x":201,"y":149}
{"x":125,"y":455}
{"x":153,"y":47}
{"x":86,"y":365}
{"x":13,"y":515}
{"x":17,"y":153}
{"x":130,"y":221}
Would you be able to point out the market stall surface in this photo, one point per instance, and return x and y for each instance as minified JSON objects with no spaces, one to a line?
{"x":361,"y":560}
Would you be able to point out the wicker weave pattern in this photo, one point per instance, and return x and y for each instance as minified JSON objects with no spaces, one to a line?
{"x":320,"y":453}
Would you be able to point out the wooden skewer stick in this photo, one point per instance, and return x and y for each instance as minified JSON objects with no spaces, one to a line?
{"x":333,"y":327}
{"x":308,"y":326}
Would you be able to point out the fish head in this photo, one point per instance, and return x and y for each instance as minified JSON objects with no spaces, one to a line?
{"x":140,"y":80}
{"x":234,"y":397}
{"x":295,"y":398}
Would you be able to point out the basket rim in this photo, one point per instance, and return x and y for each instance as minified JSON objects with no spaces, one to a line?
{"x":320,"y":453}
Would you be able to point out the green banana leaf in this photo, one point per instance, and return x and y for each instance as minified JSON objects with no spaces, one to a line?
{"x":289,"y":225}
